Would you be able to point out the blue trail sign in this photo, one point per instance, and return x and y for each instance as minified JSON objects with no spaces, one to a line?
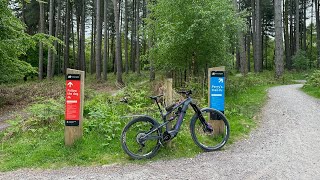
{"x":217,"y":88}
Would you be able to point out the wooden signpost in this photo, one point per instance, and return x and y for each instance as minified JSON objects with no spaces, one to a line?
{"x":216,"y":95}
{"x":74,"y":106}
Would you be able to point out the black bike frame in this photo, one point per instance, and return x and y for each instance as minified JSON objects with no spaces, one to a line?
{"x":184,"y":104}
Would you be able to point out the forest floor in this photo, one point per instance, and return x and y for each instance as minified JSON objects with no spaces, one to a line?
{"x":16,"y":97}
{"x":285,"y":146}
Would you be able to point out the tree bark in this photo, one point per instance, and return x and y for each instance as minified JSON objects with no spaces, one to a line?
{"x":318,"y":31}
{"x":297,"y":18}
{"x":49,"y":64}
{"x":241,"y":46}
{"x":278,"y":39}
{"x":93,"y":30}
{"x":106,"y":41}
{"x":67,"y":38}
{"x":41,"y":30}
{"x":98,"y":40}
{"x":83,"y":37}
{"x":286,"y":35}
{"x":258,"y":49}
{"x":126,"y":35}
{"x":137,"y":37}
{"x":57,"y":33}
{"x":118,"y":59}
{"x":133,"y":37}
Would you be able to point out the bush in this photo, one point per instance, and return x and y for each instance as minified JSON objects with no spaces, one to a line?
{"x":300,"y":60}
{"x":313,"y":80}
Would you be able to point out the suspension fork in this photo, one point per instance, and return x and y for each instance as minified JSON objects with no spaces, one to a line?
{"x":202,"y":120}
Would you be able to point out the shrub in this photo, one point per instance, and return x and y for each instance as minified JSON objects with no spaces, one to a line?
{"x":300,"y":60}
{"x":313,"y":80}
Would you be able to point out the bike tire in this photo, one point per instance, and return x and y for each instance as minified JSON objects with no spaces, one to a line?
{"x":131,"y":133}
{"x":210,"y":141}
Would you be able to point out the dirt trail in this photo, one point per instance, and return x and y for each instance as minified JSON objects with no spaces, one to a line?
{"x":285,"y":146}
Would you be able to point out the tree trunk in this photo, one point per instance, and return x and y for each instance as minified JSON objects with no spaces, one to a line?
{"x":241,"y":46}
{"x":278,"y":39}
{"x":126,"y":35}
{"x":98,"y":41}
{"x":254,"y":48}
{"x":248,"y":39}
{"x":83,"y":37}
{"x":318,"y":31}
{"x":106,"y":41}
{"x":49,"y":65}
{"x":93,"y":30}
{"x":118,"y":59}
{"x":67,"y":38}
{"x":41,"y":30}
{"x":286,"y":35}
{"x":258,"y":49}
{"x":137,"y":38}
{"x":304,"y":41}
{"x":133,"y":36}
{"x":57,"y":33}
{"x":297,"y":26}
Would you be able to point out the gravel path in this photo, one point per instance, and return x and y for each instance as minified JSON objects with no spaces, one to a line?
{"x":285,"y":146}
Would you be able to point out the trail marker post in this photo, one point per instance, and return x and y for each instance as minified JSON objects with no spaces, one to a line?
{"x":74,"y":106}
{"x":216,"y":94}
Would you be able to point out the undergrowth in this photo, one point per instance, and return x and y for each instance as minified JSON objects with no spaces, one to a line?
{"x":38,"y":141}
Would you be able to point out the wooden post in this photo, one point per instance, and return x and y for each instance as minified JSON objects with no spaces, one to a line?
{"x":217,"y":125}
{"x":74,"y":106}
{"x":168,"y":99}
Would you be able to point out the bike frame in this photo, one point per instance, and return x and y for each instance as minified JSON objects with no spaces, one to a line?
{"x":173,"y":132}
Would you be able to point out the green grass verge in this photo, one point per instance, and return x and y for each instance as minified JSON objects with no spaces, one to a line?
{"x":312,"y":91}
{"x":100,"y":143}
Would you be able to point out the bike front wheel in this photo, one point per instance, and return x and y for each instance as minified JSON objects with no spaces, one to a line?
{"x":210,"y":132}
{"x":140,"y":138}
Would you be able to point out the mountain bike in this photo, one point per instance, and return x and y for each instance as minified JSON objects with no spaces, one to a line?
{"x":142,"y":137}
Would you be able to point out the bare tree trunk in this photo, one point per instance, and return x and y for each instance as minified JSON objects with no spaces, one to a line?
{"x":57,"y":33}
{"x":49,"y":65}
{"x":67,"y":38}
{"x":93,"y":30}
{"x":137,"y":38}
{"x":297,"y":26}
{"x":278,"y":39}
{"x":118,"y":59}
{"x":258,"y":49}
{"x":41,"y":30}
{"x":133,"y":37}
{"x":254,"y":48}
{"x":83,"y":37}
{"x":73,"y":40}
{"x":248,"y":45}
{"x":126,"y":35}
{"x":318,"y":31}
{"x":106,"y":41}
{"x":304,"y":41}
{"x":241,"y":46}
{"x":286,"y":34}
{"x":98,"y":40}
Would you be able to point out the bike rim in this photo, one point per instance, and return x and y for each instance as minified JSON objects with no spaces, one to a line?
{"x":211,"y":139}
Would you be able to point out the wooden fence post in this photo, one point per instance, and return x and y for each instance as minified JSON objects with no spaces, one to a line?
{"x":74,"y":106}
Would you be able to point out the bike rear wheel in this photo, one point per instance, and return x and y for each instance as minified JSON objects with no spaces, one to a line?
{"x":135,"y":140}
{"x":215,"y":135}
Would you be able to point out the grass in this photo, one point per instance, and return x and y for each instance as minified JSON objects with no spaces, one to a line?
{"x":312,"y":91}
{"x":45,"y":149}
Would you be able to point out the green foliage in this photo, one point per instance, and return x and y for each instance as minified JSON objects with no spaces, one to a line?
{"x":314,"y":80}
{"x":198,"y":32}
{"x":13,"y":43}
{"x":300,"y":60}
{"x":41,"y":117}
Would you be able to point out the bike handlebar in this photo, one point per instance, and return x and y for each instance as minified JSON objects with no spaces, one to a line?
{"x":189,"y":92}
